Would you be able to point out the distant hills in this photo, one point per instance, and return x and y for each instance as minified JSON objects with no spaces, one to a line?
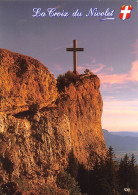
{"x":125,"y":133}
{"x":122,"y":142}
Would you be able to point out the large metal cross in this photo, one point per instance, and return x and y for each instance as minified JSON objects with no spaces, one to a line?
{"x":75,"y":49}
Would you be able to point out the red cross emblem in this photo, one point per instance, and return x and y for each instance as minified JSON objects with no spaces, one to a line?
{"x":125,"y":12}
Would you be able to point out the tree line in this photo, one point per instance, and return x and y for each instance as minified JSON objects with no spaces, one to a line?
{"x":108,"y":177}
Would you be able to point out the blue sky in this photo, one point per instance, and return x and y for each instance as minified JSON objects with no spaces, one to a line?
{"x":110,"y":48}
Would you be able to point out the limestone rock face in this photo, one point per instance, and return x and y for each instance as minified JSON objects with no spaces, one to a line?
{"x":24,"y":81}
{"x":83,"y":104}
{"x":36,"y":144}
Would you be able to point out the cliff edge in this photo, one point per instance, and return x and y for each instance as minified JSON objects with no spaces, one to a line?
{"x":36,"y":141}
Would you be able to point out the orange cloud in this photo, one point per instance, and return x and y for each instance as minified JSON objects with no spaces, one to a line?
{"x":111,"y":79}
{"x":133,"y":75}
{"x":120,"y":115}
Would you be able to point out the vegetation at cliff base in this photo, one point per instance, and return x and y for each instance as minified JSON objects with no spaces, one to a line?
{"x":108,"y":176}
{"x":66,"y":181}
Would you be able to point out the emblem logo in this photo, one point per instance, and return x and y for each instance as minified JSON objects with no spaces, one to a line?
{"x":125,"y":12}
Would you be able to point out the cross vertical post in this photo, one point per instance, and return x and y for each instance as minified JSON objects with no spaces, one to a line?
{"x":75,"y":49}
{"x":74,"y":56}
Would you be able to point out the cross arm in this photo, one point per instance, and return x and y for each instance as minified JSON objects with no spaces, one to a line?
{"x":76,"y":49}
{"x":80,"y":49}
{"x":69,"y":49}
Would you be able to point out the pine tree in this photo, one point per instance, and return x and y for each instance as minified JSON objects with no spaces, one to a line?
{"x":104,"y":175}
{"x":110,"y":173}
{"x":133,"y":174}
{"x":124,"y":173}
{"x":96,"y":178}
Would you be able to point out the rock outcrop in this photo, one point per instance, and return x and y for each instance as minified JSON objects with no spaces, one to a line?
{"x":36,"y":143}
{"x":24,"y":81}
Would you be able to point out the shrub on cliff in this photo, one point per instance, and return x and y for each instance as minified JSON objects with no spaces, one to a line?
{"x":87,"y":71}
{"x":65,"y":79}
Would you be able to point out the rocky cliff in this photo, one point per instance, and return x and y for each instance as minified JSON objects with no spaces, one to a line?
{"x":23,"y":82}
{"x":40,"y":127}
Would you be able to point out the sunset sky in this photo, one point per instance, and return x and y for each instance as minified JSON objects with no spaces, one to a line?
{"x":110,"y":48}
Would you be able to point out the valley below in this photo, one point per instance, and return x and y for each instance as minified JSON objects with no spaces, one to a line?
{"x":122,"y":143}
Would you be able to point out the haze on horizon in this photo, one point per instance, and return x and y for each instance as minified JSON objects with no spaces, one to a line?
{"x":110,"y":49}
